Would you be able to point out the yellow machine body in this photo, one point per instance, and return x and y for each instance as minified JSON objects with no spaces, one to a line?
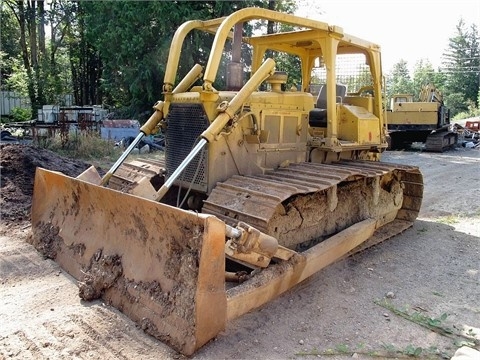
{"x":425,"y":120}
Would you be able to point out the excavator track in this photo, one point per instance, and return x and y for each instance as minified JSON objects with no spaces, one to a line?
{"x":441,"y":141}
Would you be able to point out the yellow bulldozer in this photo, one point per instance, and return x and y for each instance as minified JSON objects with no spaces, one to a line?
{"x":261,"y":186}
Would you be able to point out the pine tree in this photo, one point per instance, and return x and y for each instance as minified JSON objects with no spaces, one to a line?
{"x":462,"y":68}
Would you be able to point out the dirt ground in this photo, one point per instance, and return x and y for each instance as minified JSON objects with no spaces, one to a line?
{"x":417,"y":294}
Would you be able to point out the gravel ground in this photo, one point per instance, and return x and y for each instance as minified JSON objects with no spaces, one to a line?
{"x":414,"y":295}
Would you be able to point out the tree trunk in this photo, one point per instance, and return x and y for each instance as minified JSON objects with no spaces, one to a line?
{"x":25,"y":54}
{"x":270,"y":29}
{"x":41,"y":29}
{"x":23,"y":40}
{"x":271,"y":6}
{"x":34,"y":58}
{"x":42,"y":69}
{"x":32,"y":29}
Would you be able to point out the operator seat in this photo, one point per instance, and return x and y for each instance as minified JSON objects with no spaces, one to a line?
{"x":318,"y":116}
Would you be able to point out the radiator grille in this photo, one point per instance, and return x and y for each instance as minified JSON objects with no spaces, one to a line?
{"x":185,"y":123}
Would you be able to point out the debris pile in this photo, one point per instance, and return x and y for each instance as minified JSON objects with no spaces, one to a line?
{"x":17,"y":167}
{"x":469,"y":135}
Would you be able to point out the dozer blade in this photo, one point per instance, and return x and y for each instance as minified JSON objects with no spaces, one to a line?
{"x":162,"y":266}
{"x":165,"y":267}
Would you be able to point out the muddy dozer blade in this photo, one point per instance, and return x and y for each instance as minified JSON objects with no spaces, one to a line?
{"x":162,"y":266}
{"x":165,"y":267}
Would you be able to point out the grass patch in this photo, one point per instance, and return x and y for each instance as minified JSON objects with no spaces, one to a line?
{"x":435,"y":324}
{"x":388,"y":351}
{"x":83,"y":146}
{"x":449,"y":220}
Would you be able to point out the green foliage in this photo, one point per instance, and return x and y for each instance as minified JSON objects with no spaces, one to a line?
{"x":21,"y":114}
{"x":9,"y":35}
{"x":133,"y":44}
{"x":399,"y":80}
{"x":114,"y":53}
{"x":17,"y":81}
{"x":456,"y":103}
{"x":449,"y":220}
{"x":411,"y":350}
{"x":35,"y":69}
{"x":291,"y":65}
{"x":436,"y":324}
{"x":284,"y":62}
{"x":472,"y":111}
{"x":458,"y":78}
{"x":343,"y":348}
{"x":462,"y":65}
{"x":130,"y":40}
{"x":424,"y":74}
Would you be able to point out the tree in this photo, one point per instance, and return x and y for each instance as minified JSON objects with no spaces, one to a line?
{"x":461,"y":65}
{"x":9,"y":45}
{"x":424,"y":74}
{"x":133,"y":44}
{"x":42,"y":76}
{"x":84,"y":60}
{"x":61,"y":17}
{"x":28,"y":54}
{"x":288,"y":63}
{"x":399,"y":80}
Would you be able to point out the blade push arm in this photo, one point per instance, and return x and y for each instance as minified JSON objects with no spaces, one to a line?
{"x":227,"y":112}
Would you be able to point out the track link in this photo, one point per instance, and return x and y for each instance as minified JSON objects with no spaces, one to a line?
{"x":130,"y":173}
{"x":305,"y":203}
{"x":441,"y":141}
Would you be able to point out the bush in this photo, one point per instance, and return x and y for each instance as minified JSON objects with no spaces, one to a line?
{"x":85,"y":146}
{"x":472,"y":111}
{"x":21,"y":114}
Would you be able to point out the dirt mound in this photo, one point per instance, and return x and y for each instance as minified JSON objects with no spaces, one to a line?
{"x":18,"y":163}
